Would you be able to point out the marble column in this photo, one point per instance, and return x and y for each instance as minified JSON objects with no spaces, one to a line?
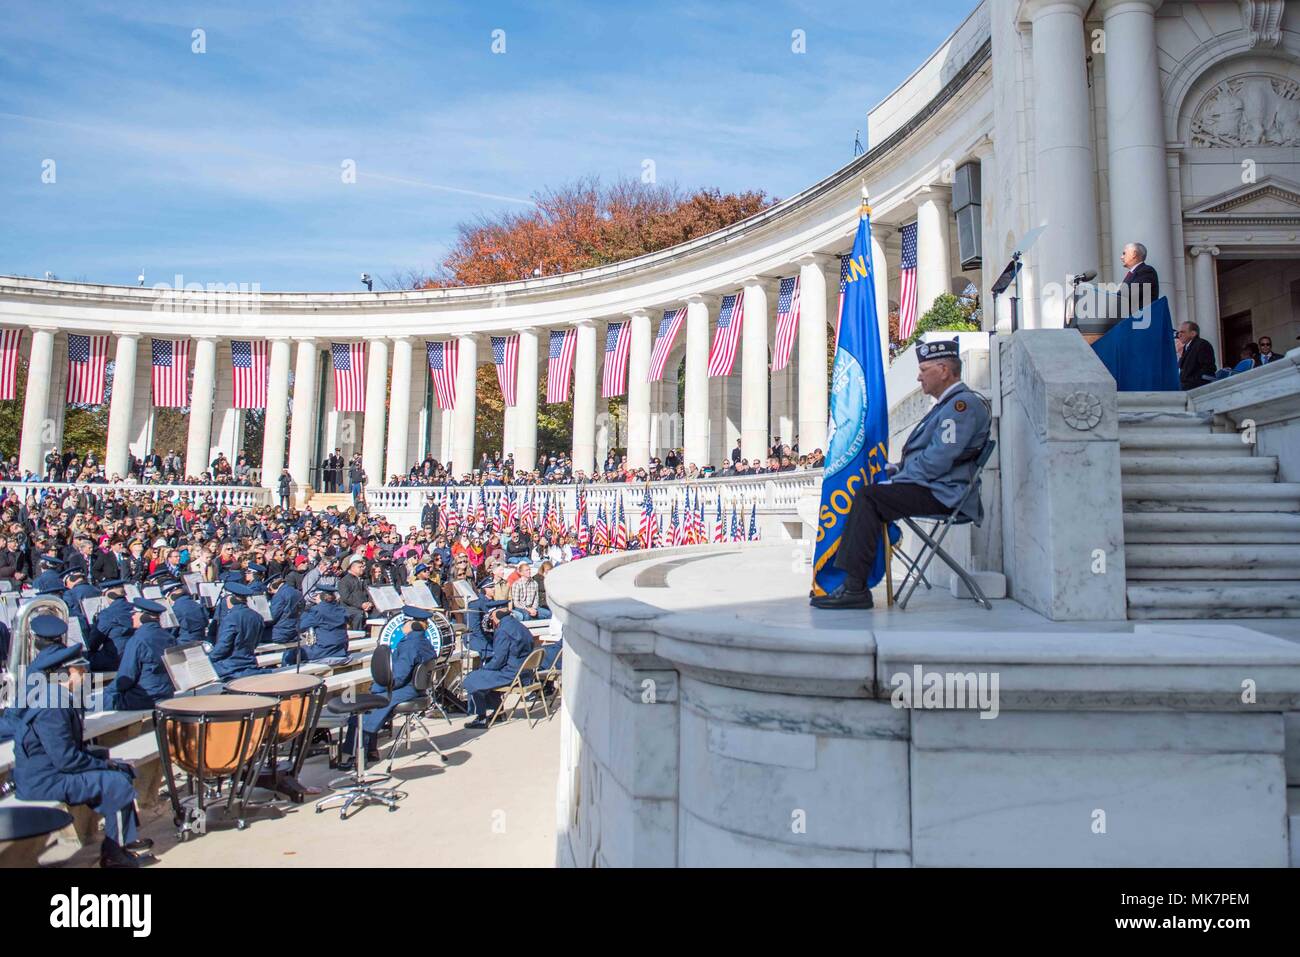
{"x":525,"y":413}
{"x":1065,"y":191}
{"x":695,"y":426}
{"x":1205,"y":290}
{"x":118,"y":458}
{"x":277,"y":413}
{"x":372,"y":434}
{"x":754,"y":374}
{"x":462,"y":450}
{"x":880,"y":276}
{"x":36,"y":403}
{"x":933,"y":267}
{"x":1135,"y":132}
{"x":604,"y":429}
{"x":584,"y":398}
{"x":638,"y":391}
{"x":303,"y":434}
{"x":812,"y":352}
{"x":399,"y":409}
{"x":198,"y":442}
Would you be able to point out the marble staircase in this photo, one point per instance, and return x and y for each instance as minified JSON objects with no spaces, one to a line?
{"x":1209,"y":530}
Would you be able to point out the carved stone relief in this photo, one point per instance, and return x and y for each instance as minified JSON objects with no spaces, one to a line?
{"x":1252,"y":110}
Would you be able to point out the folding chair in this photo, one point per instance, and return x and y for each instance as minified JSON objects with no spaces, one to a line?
{"x":931,"y":542}
{"x":521,"y":690}
{"x":552,"y":676}
{"x":425,"y":680}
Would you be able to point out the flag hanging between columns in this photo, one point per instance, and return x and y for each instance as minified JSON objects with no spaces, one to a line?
{"x":87,"y":359}
{"x":248,"y":368}
{"x":349,"y":360}
{"x":722,"y":357}
{"x":858,"y":434}
{"x":505,"y":356}
{"x":11,"y":341}
{"x":442,"y":368}
{"x":170,"y":359}
{"x":787,"y":322}
{"x":907,"y":284}
{"x":618,"y":340}
{"x":669,"y":326}
{"x":559,"y":363}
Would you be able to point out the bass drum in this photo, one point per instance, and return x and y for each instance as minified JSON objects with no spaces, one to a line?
{"x":437,"y":629}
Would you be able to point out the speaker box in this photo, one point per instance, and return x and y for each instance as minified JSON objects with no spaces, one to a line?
{"x":966,"y":186}
{"x":968,"y":237}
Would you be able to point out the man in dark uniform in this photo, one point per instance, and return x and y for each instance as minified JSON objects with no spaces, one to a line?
{"x":412,"y":649}
{"x":50,"y":579}
{"x":511,"y":644}
{"x":191,"y":619}
{"x":286,"y":605}
{"x":329,"y":623}
{"x":110,"y":630}
{"x":78,"y":590}
{"x":52,"y":762}
{"x":937,"y":468}
{"x":142,"y":680}
{"x":234,"y":654}
{"x":354,"y":594}
{"x":429,"y":514}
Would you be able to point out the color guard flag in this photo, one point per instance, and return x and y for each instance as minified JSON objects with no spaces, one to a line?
{"x":722,"y":357}
{"x":248,"y":373}
{"x":170,"y":359}
{"x":87,"y":360}
{"x":11,"y":341}
{"x":559,"y":363}
{"x":505,"y":356}
{"x":442,"y":369}
{"x":349,"y":361}
{"x":858,"y":436}
{"x":618,"y":341}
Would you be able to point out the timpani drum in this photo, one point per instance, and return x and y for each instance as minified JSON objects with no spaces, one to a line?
{"x":213,"y":738}
{"x":301,"y":697}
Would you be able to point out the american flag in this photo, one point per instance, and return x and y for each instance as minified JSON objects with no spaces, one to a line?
{"x":248,"y":366}
{"x":753,"y":522}
{"x":787,"y":322}
{"x":601,"y":539}
{"x":620,"y":533}
{"x":87,"y":359}
{"x":505,"y":356}
{"x":669,"y":326}
{"x":907,"y":285}
{"x":647,"y":519}
{"x":559,"y":363}
{"x":349,"y":359}
{"x":844,"y":282}
{"x":170,"y":359}
{"x":442,"y":368}
{"x":735,"y":525}
{"x":722,"y":357}
{"x":11,"y":341}
{"x":618,"y":340}
{"x":719,"y":531}
{"x":675,"y":532}
{"x":584,"y":532}
{"x":528,"y":517}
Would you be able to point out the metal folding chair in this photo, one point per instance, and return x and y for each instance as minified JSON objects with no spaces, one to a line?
{"x":932,"y":542}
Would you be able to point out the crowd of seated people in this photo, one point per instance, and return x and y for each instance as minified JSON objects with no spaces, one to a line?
{"x":67,"y":466}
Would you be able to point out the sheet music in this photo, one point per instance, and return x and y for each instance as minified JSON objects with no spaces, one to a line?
{"x":168,"y":619}
{"x":192,"y":582}
{"x":74,"y":632}
{"x":153,"y":592}
{"x":90,"y":607}
{"x":260,"y":605}
{"x":132,"y":592}
{"x":464,"y":589}
{"x":188,"y":666}
{"x":385,"y":597}
{"x":210,"y":592}
{"x":419,"y":595}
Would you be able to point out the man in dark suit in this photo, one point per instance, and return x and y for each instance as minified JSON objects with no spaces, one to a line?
{"x":1197,"y":365}
{"x":1141,"y":284}
{"x":1266,"y":353}
{"x":735,"y":453}
{"x":110,"y":564}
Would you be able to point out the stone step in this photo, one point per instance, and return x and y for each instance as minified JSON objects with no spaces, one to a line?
{"x":1161,"y":418}
{"x":1230,"y":562}
{"x":1211,"y":527}
{"x":1211,"y":497}
{"x":1138,"y":467}
{"x":1145,"y":401}
{"x":1155,"y":441}
{"x":1214,"y":599}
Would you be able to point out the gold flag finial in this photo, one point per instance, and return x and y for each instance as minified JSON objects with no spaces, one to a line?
{"x":865,"y":208}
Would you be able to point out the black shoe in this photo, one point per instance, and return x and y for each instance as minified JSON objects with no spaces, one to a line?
{"x":843,"y":598}
{"x":114,"y":855}
{"x":144,"y":844}
{"x":477,"y":724}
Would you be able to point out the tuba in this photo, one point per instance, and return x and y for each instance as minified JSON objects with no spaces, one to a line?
{"x":25,"y":644}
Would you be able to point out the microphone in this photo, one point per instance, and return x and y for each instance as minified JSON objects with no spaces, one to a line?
{"x":1088,"y":276}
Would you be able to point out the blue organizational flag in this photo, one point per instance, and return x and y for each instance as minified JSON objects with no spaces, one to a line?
{"x":858,"y":440}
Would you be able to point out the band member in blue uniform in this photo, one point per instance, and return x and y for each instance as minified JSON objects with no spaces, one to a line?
{"x":411,"y":650}
{"x":52,"y":762}
{"x":511,"y":644}
{"x":111,"y":629}
{"x":191,"y":619}
{"x":329,"y":622}
{"x":286,"y":608}
{"x":50,"y":579}
{"x":78,"y":590}
{"x":234,"y":654}
{"x":142,"y":680}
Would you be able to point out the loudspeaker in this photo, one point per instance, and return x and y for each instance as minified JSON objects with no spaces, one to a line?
{"x":968,"y":237}
{"x":966,"y":186}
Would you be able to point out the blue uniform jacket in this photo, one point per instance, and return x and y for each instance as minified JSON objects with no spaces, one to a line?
{"x":191,"y":619}
{"x":941,"y":451}
{"x":48,"y":581}
{"x":75,"y":595}
{"x":286,"y":607}
{"x":331,"y":623}
{"x":511,"y":644}
{"x":142,"y":680}
{"x":48,"y":747}
{"x":235,"y":651}
{"x":412,"y":651}
{"x":109,"y":634}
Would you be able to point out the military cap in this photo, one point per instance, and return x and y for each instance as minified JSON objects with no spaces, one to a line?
{"x":50,"y":561}
{"x":48,"y":627}
{"x":938,"y":349}
{"x":256,"y":569}
{"x":149,"y":606}
{"x":58,"y":589}
{"x":58,"y":656}
{"x":240,"y":589}
{"x":420,"y":614}
{"x":112,"y":583}
{"x":173,"y":586}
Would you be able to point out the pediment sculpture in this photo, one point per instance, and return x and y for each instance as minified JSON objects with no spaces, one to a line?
{"x":1253,"y":110}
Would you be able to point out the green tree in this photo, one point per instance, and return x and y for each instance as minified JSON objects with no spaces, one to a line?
{"x":949,"y":314}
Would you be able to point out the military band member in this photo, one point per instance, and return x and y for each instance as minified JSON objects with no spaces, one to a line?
{"x":329,"y":622}
{"x":234,"y":654}
{"x":111,"y":629}
{"x":511,"y":644}
{"x":191,"y":619}
{"x":142,"y":680}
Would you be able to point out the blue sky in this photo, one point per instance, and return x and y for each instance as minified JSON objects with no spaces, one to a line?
{"x":225,"y":166}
